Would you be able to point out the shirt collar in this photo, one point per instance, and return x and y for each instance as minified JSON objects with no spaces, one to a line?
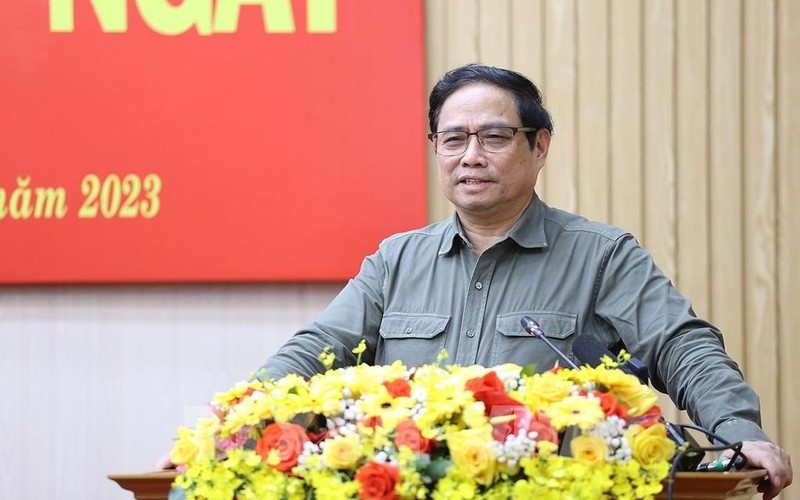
{"x":452,"y":232}
{"x":528,"y":232}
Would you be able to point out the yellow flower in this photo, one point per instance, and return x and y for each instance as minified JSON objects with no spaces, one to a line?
{"x":361,"y":380}
{"x":237,"y":393}
{"x":546,"y":448}
{"x":361,"y":347}
{"x":637,"y":397}
{"x":470,"y":449}
{"x":474,"y":415}
{"x":575,"y":410}
{"x":184,"y":450}
{"x":273,"y":457}
{"x":445,"y":395}
{"x":327,"y":358}
{"x":342,"y":452}
{"x":650,"y":445}
{"x":391,"y":410}
{"x":544,"y":388}
{"x":204,"y":437}
{"x":588,"y":450}
{"x":325,"y":392}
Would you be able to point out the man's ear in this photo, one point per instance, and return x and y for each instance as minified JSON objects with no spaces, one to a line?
{"x":542,"y":145}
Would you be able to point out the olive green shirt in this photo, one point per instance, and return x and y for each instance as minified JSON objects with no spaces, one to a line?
{"x":426,"y":290}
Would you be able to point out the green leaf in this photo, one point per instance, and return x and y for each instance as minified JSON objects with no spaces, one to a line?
{"x":528,"y":370}
{"x":438,"y":469}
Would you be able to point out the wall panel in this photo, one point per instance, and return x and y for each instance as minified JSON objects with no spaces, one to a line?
{"x":691,"y":101}
{"x":494,"y":27}
{"x":560,"y":176}
{"x":593,"y":118}
{"x":679,"y":121}
{"x":787,"y":105}
{"x":760,"y":199}
{"x":725,"y":164}
{"x":626,"y":194}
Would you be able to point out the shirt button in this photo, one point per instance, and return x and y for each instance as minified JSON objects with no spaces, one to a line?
{"x":470,"y":333}
{"x":409,"y":329}
{"x":479,"y":285}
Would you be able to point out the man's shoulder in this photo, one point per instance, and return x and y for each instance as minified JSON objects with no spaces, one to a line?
{"x":567,"y":222}
{"x":430,"y":236}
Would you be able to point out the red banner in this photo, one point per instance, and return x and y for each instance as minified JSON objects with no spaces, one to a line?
{"x":207,"y":140}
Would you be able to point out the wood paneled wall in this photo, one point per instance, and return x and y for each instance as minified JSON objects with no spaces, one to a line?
{"x":680,"y":121}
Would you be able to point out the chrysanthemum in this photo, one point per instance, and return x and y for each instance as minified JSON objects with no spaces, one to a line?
{"x":575,"y":410}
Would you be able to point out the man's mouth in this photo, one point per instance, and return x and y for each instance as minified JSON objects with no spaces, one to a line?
{"x":472,"y":181}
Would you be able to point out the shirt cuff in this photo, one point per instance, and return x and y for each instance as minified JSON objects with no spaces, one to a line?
{"x":740,"y":430}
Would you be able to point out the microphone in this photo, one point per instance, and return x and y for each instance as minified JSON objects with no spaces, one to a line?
{"x":533,"y":327}
{"x":590,"y":351}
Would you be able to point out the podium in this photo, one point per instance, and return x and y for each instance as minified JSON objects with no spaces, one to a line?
{"x":687,"y":486}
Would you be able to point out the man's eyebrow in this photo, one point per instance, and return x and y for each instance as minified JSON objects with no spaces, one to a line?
{"x":496,"y":124}
{"x":461,"y":128}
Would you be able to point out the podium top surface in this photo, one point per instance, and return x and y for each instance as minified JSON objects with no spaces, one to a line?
{"x":688,"y":485}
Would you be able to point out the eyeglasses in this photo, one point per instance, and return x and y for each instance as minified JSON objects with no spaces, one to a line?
{"x":492,"y":140}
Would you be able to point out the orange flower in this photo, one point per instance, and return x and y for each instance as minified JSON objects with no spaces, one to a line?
{"x":398,"y":388}
{"x":285,"y":439}
{"x":408,"y":435}
{"x":377,"y":481}
{"x":611,"y":405}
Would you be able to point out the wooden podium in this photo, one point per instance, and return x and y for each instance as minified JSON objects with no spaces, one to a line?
{"x":688,"y":485}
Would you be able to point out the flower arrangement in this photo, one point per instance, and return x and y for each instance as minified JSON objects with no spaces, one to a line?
{"x":392,"y":432}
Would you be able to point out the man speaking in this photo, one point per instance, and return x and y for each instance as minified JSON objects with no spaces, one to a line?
{"x":464,"y":284}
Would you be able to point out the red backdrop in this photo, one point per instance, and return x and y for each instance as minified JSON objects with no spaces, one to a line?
{"x":152,"y":145}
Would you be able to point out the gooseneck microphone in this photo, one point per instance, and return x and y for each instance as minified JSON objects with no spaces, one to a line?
{"x":534,"y":328}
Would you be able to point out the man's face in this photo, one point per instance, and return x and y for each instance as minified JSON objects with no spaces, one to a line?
{"x":488,"y":186}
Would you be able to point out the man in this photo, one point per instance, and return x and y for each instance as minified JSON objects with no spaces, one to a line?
{"x":465,"y":283}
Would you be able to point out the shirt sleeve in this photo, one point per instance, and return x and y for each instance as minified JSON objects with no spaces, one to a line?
{"x":354,"y":314}
{"x":685,"y":355}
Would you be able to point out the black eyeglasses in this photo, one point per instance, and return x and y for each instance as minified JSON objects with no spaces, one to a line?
{"x":491,"y":139}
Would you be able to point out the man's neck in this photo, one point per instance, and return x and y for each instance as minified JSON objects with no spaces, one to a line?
{"x":483,"y":232}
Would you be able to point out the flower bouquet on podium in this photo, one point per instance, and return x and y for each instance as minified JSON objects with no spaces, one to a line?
{"x":440,"y":432}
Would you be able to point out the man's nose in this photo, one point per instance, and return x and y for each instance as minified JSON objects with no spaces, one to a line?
{"x":475,"y":154}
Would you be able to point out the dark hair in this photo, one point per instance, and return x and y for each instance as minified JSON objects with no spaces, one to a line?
{"x":529,"y":99}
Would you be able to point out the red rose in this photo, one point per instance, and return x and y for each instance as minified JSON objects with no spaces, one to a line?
{"x":611,"y":405}
{"x":286,"y":439}
{"x":490,"y":390}
{"x":377,"y":481}
{"x":497,"y":403}
{"x":398,"y":387}
{"x":540,"y":424}
{"x":408,"y":435}
{"x":489,"y":382}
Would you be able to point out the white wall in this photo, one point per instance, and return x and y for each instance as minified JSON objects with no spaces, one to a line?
{"x":94,"y":380}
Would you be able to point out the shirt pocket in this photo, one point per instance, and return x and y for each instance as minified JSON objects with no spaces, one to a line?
{"x":413,"y":338}
{"x":512,"y":344}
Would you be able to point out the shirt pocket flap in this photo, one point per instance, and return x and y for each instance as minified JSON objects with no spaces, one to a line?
{"x":413,"y":326}
{"x":555,"y":324}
